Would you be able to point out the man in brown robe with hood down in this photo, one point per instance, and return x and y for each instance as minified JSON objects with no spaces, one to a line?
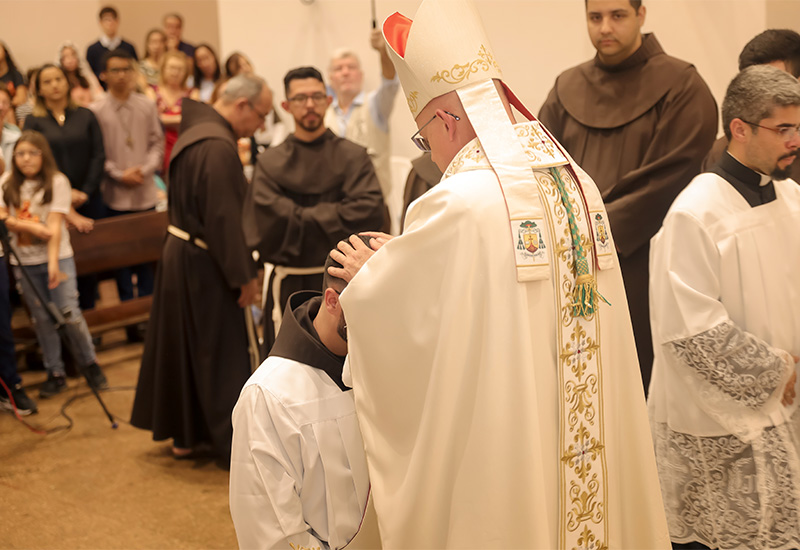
{"x":308,"y":193}
{"x":639,"y":122}
{"x":196,"y":358}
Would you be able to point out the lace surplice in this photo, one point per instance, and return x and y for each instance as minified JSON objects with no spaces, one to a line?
{"x":731,"y":492}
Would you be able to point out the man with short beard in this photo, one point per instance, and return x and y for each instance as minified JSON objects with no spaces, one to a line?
{"x":725,"y":297}
{"x":308,"y":193}
{"x":779,"y":48}
{"x":639,"y":122}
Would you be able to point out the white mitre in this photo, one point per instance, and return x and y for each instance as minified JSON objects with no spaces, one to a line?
{"x":445,"y":49}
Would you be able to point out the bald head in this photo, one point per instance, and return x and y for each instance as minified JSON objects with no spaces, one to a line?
{"x":446,"y":135}
{"x":244,"y":101}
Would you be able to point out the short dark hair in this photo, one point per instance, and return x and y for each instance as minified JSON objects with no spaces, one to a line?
{"x":301,"y":73}
{"x":770,"y":46}
{"x":635,"y":4}
{"x":755,"y":92}
{"x":176,"y":15}
{"x":328,"y":280}
{"x":119,"y":53}
{"x":108,"y":10}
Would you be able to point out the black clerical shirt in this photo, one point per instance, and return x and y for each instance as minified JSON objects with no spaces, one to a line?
{"x":746,"y":181}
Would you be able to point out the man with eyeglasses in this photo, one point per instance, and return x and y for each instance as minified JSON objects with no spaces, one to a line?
{"x":497,"y":390}
{"x":197,"y":352}
{"x":307,"y":194}
{"x":725,"y":312}
{"x":639,"y":121}
{"x":134,"y":144}
{"x":779,"y":48}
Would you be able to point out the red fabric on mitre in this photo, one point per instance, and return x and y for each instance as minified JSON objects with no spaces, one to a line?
{"x":396,"y":29}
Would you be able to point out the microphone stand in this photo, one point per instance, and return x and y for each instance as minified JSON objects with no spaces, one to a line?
{"x":69,"y":333}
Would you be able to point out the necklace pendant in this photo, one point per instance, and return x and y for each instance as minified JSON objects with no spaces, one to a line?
{"x":129,"y":142}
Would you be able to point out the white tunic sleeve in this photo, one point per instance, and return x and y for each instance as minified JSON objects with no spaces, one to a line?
{"x":738,"y":377}
{"x":266,"y":476}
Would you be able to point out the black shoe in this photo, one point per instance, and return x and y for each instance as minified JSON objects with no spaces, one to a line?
{"x":95,"y":377}
{"x":52,"y":386}
{"x":22,"y":402}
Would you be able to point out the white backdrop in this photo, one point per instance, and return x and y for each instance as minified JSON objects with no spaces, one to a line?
{"x":534,"y":40}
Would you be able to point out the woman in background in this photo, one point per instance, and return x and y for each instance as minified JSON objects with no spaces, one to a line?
{"x":237,"y":63}
{"x":77,"y":145}
{"x":168,"y":95}
{"x":83,"y":85}
{"x":155,"y":45}
{"x":11,"y":79}
{"x":207,"y":73}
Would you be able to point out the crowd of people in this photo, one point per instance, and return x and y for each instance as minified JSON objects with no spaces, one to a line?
{"x":484,"y":388}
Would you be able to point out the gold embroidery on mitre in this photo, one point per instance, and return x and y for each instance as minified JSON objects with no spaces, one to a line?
{"x":412,"y":101}
{"x":459,"y":73}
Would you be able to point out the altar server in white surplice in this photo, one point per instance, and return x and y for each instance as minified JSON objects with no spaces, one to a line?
{"x":725,"y":310}
{"x":498,"y":395}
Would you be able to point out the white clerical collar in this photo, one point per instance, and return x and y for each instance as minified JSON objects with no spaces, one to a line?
{"x":765,"y":179}
{"x":110,"y":43}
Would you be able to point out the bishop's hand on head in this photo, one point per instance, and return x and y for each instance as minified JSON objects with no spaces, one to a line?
{"x":353,"y":254}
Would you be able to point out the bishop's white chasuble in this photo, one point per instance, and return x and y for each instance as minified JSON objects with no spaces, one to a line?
{"x":491,"y":416}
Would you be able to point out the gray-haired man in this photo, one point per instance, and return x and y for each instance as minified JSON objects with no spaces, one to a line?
{"x":196,"y":357}
{"x":725,"y":311}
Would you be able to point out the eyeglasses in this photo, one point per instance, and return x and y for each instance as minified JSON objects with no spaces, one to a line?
{"x":422,"y":143}
{"x":262,"y":116}
{"x":319,"y":98}
{"x":31,"y":153}
{"x":786,"y":132}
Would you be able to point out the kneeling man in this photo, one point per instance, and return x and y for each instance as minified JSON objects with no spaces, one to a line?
{"x":298,"y":471}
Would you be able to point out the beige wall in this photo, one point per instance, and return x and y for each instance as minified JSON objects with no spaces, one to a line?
{"x":58,"y":20}
{"x":34,"y":29}
{"x":534,"y":40}
{"x":200,"y":19}
{"x":783,"y":14}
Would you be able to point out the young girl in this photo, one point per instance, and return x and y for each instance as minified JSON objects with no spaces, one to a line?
{"x":35,"y":197}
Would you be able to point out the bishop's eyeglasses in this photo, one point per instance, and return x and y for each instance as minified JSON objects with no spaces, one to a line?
{"x":422,"y":143}
{"x":786,"y":132}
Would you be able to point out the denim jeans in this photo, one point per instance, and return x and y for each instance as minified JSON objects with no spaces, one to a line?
{"x":65,"y":298}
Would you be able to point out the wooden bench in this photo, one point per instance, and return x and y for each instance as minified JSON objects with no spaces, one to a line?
{"x":122,"y":241}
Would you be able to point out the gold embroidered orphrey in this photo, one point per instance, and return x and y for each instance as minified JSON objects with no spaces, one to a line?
{"x":582,"y":503}
{"x":582,"y":481}
{"x":459,"y":73}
